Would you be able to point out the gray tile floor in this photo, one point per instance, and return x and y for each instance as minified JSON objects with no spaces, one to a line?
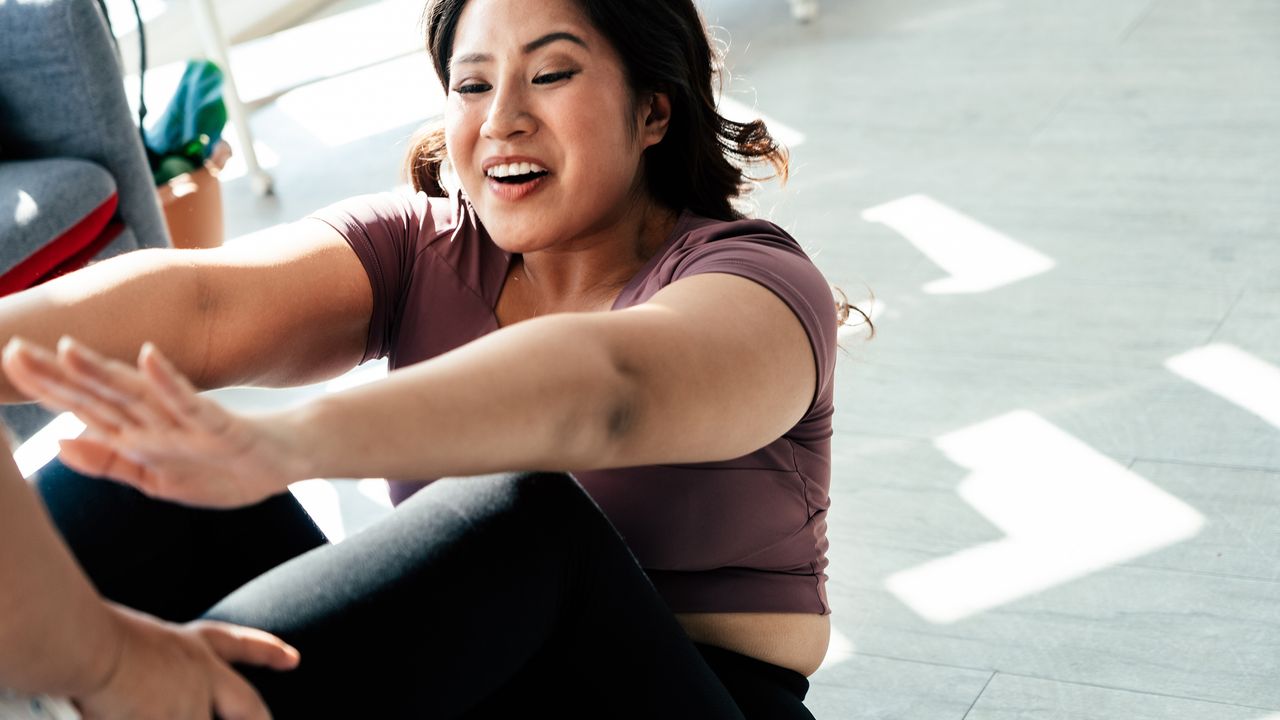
{"x":1036,"y":512}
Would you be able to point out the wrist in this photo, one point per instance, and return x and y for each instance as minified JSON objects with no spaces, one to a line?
{"x":294,"y":436}
{"x":106,"y":659}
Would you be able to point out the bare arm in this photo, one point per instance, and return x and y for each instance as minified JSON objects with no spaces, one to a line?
{"x":55,"y":632}
{"x":115,"y":305}
{"x":654,"y":383}
{"x":59,"y":638}
{"x":712,"y":367}
{"x":288,"y":309}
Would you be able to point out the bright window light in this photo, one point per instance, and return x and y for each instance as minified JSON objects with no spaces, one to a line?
{"x":978,"y":258}
{"x":42,"y":447}
{"x":1234,"y":375}
{"x":346,"y":108}
{"x":1066,"y":511}
{"x":26,"y":209}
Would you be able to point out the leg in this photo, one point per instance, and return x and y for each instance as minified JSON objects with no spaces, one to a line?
{"x":169,"y":560}
{"x":475,"y":595}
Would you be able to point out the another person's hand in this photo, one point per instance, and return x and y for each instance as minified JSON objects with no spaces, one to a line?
{"x":166,"y":671}
{"x":149,"y":428}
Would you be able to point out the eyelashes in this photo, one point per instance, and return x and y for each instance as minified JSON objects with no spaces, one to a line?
{"x":554,"y":77}
{"x":546,"y":79}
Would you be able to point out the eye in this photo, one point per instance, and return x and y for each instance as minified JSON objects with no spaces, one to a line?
{"x":471,"y":88}
{"x":550,"y":78}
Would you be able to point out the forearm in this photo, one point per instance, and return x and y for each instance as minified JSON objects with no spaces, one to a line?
{"x":114,"y":306}
{"x":539,"y":395}
{"x":56,"y":634}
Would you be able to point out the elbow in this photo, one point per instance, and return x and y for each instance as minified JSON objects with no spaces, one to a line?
{"x":621,"y":418}
{"x":598,"y":431}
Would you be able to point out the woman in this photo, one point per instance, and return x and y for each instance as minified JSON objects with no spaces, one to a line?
{"x":586,"y":302}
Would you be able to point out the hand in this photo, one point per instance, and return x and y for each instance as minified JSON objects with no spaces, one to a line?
{"x":166,"y":671}
{"x":147,"y":427}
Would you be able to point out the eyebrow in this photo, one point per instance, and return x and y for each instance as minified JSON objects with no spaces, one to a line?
{"x":528,"y":48}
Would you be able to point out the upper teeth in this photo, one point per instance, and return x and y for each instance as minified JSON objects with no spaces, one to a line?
{"x":514,"y":169}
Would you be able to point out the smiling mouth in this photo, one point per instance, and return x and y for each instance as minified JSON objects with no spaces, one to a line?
{"x":520,"y":179}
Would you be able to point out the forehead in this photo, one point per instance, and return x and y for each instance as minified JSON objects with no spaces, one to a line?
{"x":496,"y":26}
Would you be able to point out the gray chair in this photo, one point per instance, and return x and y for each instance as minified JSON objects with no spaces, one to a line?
{"x":71,"y":156}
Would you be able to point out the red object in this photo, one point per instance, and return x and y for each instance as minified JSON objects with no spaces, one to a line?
{"x":69,"y":251}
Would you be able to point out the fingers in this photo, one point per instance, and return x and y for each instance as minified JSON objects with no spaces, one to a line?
{"x":178,"y":394}
{"x":110,"y":395}
{"x":35,"y":372}
{"x":114,"y":382}
{"x":97,"y":459}
{"x":238,"y":644}
{"x":235,"y":699}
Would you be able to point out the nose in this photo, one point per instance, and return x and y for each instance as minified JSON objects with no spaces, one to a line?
{"x":508,"y":116}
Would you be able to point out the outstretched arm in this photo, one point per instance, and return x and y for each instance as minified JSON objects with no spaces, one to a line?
{"x":712,"y":367}
{"x":300,"y":286}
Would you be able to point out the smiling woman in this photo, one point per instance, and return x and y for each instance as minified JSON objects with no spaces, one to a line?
{"x":607,"y":426}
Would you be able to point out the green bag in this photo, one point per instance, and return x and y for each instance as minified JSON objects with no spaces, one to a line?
{"x":184,"y":136}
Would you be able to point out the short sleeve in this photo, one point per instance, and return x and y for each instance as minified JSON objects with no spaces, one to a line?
{"x":384,"y":231}
{"x":781,"y":266}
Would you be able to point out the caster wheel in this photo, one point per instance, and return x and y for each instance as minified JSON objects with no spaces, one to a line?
{"x":804,"y":10}
{"x":263,"y":185}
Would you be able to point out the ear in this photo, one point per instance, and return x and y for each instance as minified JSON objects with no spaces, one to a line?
{"x":656,"y":110}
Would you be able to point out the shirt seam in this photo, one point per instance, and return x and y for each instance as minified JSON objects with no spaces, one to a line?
{"x":382,"y":278}
{"x":431,"y":248}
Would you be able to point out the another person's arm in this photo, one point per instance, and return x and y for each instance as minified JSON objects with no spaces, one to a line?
{"x":290,"y":308}
{"x":59,"y":638}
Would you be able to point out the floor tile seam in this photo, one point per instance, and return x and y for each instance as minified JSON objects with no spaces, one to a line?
{"x":1116,"y":688}
{"x":1226,"y":316}
{"x":1136,"y":22}
{"x":1204,"y":573}
{"x":912,"y":661}
{"x":1196,"y":463}
{"x":981,"y":692}
{"x":836,"y":584}
{"x":1029,"y":676}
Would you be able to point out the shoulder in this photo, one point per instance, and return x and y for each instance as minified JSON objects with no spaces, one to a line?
{"x":400,"y":216}
{"x":761,"y":251}
{"x":756,"y":248}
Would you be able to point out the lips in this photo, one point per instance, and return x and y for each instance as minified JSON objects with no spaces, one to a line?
{"x":515,"y":191}
{"x":507,"y":160}
{"x":514,"y":177}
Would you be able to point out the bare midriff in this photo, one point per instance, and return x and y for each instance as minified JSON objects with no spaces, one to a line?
{"x":797,"y":641}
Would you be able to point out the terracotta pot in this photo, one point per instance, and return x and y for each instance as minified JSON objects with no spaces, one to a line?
{"x":192,"y":204}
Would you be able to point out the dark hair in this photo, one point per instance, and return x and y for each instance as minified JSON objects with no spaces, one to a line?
{"x":665,"y":47}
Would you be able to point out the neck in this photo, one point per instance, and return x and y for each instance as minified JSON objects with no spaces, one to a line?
{"x":595,"y":267}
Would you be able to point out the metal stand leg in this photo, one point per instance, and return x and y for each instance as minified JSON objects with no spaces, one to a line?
{"x":215,"y":47}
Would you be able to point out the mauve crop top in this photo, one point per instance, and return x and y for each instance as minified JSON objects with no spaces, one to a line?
{"x":742,"y":535}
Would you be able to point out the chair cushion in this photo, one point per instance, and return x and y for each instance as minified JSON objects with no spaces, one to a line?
{"x":54,"y":213}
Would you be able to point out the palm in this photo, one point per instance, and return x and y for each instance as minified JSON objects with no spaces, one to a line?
{"x":148,"y":427}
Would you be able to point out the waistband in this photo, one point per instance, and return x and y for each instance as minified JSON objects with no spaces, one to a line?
{"x":727,"y":662}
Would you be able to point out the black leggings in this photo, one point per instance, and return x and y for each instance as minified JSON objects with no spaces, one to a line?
{"x":489,"y":596}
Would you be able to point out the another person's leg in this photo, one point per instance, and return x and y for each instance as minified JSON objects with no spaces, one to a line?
{"x":477,"y":597}
{"x":169,"y":560}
